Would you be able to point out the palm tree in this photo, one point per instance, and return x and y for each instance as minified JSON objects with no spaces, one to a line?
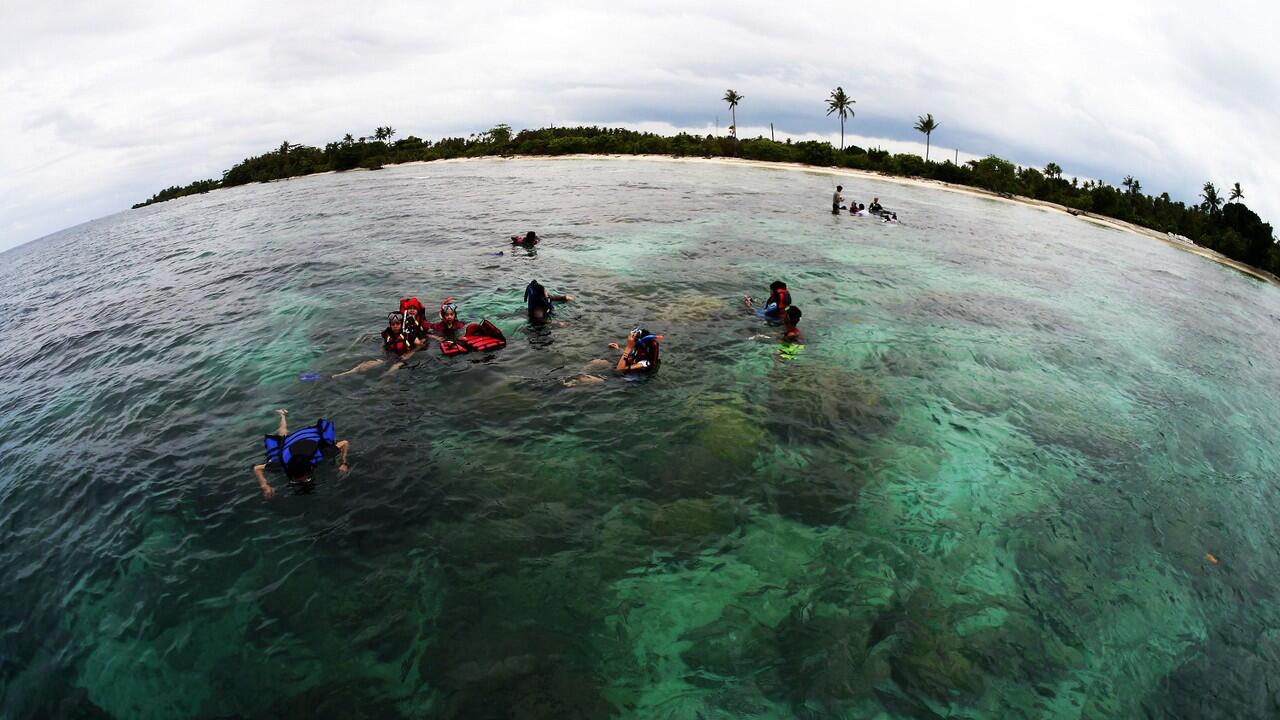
{"x":1052,"y":171}
{"x":1212,"y":201}
{"x":840,"y":103}
{"x":1236,"y":193}
{"x":388,"y":132}
{"x":733,"y":98}
{"x":926,"y":125}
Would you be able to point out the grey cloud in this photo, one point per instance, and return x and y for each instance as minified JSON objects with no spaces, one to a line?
{"x":147,"y":96}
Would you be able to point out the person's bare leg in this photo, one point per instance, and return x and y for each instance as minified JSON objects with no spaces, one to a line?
{"x":365,"y":366}
{"x":283,"y":429}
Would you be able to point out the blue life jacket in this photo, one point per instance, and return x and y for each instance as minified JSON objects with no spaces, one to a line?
{"x":322,"y":434}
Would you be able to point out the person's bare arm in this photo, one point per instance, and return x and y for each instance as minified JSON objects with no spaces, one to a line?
{"x":626,"y":352}
{"x":342,"y":446}
{"x":261,"y":472}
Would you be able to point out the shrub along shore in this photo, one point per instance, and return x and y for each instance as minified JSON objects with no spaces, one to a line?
{"x":1229,"y":228}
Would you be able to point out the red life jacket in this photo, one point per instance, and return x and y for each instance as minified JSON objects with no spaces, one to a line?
{"x":479,"y":337}
{"x":398,"y":343}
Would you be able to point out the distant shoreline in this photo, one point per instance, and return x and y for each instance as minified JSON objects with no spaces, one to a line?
{"x":900,"y":180}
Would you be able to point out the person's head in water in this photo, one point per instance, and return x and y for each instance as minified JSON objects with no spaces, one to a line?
{"x":839,"y":188}
{"x":530,"y":237}
{"x":298,"y":469}
{"x":395,"y":321}
{"x":793,"y":316}
{"x":448,"y":311}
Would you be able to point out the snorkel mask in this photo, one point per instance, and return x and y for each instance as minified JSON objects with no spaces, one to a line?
{"x":448,"y":306}
{"x":395,"y":317}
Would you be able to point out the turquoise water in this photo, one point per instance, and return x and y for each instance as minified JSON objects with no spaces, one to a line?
{"x":987,"y":486}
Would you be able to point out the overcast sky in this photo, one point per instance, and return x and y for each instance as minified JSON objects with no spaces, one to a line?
{"x":102,"y":104}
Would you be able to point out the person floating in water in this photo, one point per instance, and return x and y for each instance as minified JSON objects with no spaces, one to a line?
{"x":778,"y":302}
{"x":875,"y":208}
{"x":529,"y":239}
{"x":296,"y":454}
{"x":540,"y":301}
{"x":414,"y":319}
{"x":449,"y":326}
{"x":790,"y":321}
{"x":399,"y":343}
{"x":640,"y":354}
{"x":836,"y":199}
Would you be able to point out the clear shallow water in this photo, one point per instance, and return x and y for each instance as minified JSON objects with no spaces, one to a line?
{"x":985,"y":488}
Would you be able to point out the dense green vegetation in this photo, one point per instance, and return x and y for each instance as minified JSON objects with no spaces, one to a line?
{"x":1230,"y":227}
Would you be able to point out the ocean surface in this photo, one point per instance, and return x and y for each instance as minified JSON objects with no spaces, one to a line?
{"x":1022,"y":466}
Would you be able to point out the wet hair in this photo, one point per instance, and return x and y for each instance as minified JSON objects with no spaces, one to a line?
{"x":794,"y":315}
{"x":777,"y":285}
{"x":298,"y":468}
{"x":530,"y":235}
{"x":839,"y":187}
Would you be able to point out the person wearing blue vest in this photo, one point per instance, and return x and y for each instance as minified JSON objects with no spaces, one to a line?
{"x":297,"y":453}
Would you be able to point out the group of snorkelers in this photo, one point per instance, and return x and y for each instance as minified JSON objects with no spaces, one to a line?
{"x":408,"y":330}
{"x":859,"y":210}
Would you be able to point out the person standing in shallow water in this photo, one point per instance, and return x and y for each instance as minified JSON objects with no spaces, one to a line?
{"x":296,"y":454}
{"x":836,"y":199}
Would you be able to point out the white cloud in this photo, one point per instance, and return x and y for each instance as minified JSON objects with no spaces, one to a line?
{"x":104,"y":104}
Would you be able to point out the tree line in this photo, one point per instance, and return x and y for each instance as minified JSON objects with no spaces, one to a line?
{"x":1226,"y":225}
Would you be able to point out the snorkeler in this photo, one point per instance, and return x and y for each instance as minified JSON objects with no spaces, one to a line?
{"x":297,"y":453}
{"x":640,"y":354}
{"x":529,"y":239}
{"x":779,"y":300}
{"x":449,"y":326}
{"x":398,"y":343}
{"x":414,"y":319}
{"x":540,"y":301}
{"x":790,"y":321}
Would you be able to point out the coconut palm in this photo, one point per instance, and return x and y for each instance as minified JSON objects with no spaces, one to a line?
{"x":733,"y":98}
{"x":842,"y":104}
{"x":926,"y":125}
{"x":1052,"y":171}
{"x":1236,"y":193}
{"x":1212,"y":201}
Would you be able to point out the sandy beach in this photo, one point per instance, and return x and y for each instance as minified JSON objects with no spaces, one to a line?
{"x":921,"y":182}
